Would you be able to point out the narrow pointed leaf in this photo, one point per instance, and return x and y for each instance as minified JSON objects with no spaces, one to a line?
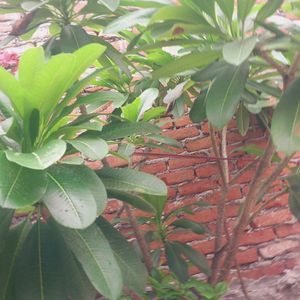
{"x":133,"y":271}
{"x":93,"y":251}
{"x":268,"y":9}
{"x":285,"y":127}
{"x":243,"y":120}
{"x":225,"y":93}
{"x":8,"y":259}
{"x":110,"y":4}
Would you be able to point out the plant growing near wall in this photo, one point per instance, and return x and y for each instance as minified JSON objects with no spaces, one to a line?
{"x":243,"y":61}
{"x":63,"y":249}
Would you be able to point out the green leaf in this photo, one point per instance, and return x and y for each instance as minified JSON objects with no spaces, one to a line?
{"x":13,"y":90}
{"x":238,"y":51}
{"x":9,"y":255}
{"x":198,"y":110}
{"x":174,"y":13}
{"x":175,"y":261}
{"x":196,"y":258}
{"x":294,"y":196}
{"x":93,"y":251}
{"x":110,"y":4}
{"x":128,"y":20}
{"x":243,"y":120}
{"x":38,"y":273}
{"x":227,"y":7}
{"x":264,"y":88}
{"x":68,"y":196}
{"x":285,"y":127}
{"x":153,"y":190}
{"x":154,"y":113}
{"x":165,"y":140}
{"x":187,"y":62}
{"x":133,"y":271}
{"x":118,"y":130}
{"x":40,"y":159}
{"x":268,"y":9}
{"x":90,"y":146}
{"x":130,"y":111}
{"x":72,"y":37}
{"x":190,"y":225}
{"x":210,"y":72}
{"x":20,"y":187}
{"x":6,"y":216}
{"x":244,"y":8}
{"x":225,"y":93}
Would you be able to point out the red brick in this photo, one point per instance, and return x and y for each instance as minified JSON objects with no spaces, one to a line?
{"x":232,"y":210}
{"x":207,"y":170}
{"x":278,"y":248}
{"x":203,"y":216}
{"x":116,"y":162}
{"x":172,"y":193}
{"x":184,"y":162}
{"x":177,"y":204}
{"x":279,"y":202}
{"x":165,"y":123}
{"x":186,"y":236}
{"x":246,"y":177}
{"x":154,"y":168}
{"x":257,"y":237}
{"x":178,"y":177}
{"x":182,"y":133}
{"x":233,"y":194}
{"x":274,"y":269}
{"x":253,"y":273}
{"x":293,"y":262}
{"x":206,"y":247}
{"x":197,"y":187}
{"x":286,"y":230}
{"x":183,"y":121}
{"x":273,"y":217}
{"x":246,"y":257}
{"x":199,"y":144}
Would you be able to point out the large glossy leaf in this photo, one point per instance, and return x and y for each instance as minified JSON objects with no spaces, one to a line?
{"x":19,"y":186}
{"x":68,"y":196}
{"x":176,"y":262}
{"x":129,"y":181}
{"x":238,"y":51}
{"x":209,"y":72}
{"x":92,"y":147}
{"x":187,"y":62}
{"x":119,"y":130}
{"x":38,"y":273}
{"x":225,"y":93}
{"x":8,"y":258}
{"x":133,"y":271}
{"x":77,"y":284}
{"x":40,"y":159}
{"x":285,"y":127}
{"x":93,"y":251}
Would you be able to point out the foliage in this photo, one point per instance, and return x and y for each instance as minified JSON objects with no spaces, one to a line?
{"x":68,"y":251}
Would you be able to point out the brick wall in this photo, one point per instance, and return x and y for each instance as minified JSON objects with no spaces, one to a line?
{"x":271,"y":243}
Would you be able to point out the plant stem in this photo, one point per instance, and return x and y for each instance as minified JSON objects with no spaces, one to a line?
{"x":140,"y":239}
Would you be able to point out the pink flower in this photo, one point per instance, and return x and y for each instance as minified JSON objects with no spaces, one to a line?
{"x":9,"y":61}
